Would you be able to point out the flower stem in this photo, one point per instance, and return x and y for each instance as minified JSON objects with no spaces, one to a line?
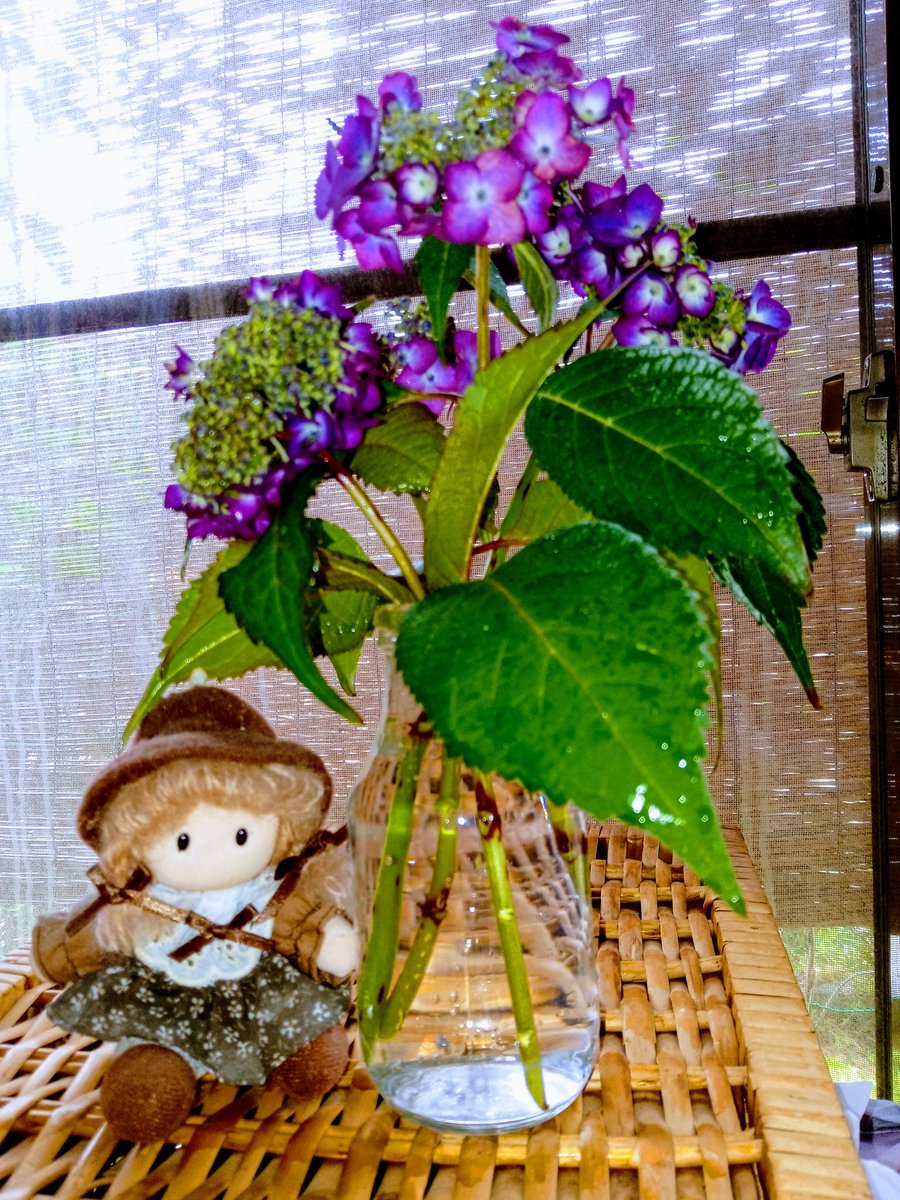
{"x":381,"y":947}
{"x":511,"y":943}
{"x":358,"y":495}
{"x":434,"y":909}
{"x":483,"y":300}
{"x":569,"y":843}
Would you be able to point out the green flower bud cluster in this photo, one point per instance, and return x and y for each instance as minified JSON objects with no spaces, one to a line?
{"x":484,"y":111}
{"x":280,"y":362}
{"x":482,"y":120}
{"x":412,"y":136}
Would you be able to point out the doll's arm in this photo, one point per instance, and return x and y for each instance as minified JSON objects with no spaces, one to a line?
{"x":63,"y":957}
{"x":312,"y":927}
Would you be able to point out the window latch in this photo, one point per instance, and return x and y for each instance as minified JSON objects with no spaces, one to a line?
{"x":862,"y":424}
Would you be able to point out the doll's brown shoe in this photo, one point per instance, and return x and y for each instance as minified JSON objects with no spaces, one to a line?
{"x":315,"y":1068}
{"x":146,"y":1093}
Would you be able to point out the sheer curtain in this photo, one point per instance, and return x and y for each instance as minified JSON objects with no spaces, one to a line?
{"x":152,"y":145}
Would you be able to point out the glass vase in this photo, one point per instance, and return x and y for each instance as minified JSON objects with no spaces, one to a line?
{"x":477,"y":994}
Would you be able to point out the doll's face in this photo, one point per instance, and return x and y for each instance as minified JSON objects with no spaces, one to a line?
{"x":212,"y":847}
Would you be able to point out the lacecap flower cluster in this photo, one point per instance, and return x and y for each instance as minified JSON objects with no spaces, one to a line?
{"x":506,"y":169}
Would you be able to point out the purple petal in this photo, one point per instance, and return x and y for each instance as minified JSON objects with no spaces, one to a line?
{"x":514,"y":38}
{"x":378,"y":207}
{"x":417,"y":354}
{"x":651,"y":295}
{"x":417,"y":183}
{"x":180,"y":369}
{"x":535,"y":200}
{"x":373,"y":251}
{"x":543,"y":141}
{"x":627,"y":220}
{"x":258,"y":289}
{"x":399,"y":92}
{"x":595,"y":195}
{"x":592,"y":105}
{"x":313,"y":292}
{"x":764,"y":313}
{"x":665,"y":247}
{"x":695,"y":291}
{"x":640,"y":331}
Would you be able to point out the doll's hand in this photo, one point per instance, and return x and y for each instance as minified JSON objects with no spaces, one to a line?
{"x":338,"y":956}
{"x":63,"y":957}
{"x":321,"y":942}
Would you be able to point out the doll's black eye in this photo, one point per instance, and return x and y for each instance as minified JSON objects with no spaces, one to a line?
{"x":183,"y":841}
{"x":241,"y":836}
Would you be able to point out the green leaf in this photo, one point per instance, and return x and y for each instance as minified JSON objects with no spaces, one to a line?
{"x":695,"y":572}
{"x":339,"y":571}
{"x":579,"y":668}
{"x":812,"y":510}
{"x":543,"y":507}
{"x":673,"y":445}
{"x":203,"y":636}
{"x":344,"y":617}
{"x":402,"y":453}
{"x":499,"y":297}
{"x":485,"y":417}
{"x":440,"y":266}
{"x":540,"y":286}
{"x":265,"y":592}
{"x":774,"y":605}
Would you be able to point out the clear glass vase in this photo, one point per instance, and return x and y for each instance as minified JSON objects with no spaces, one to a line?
{"x":478,"y":992}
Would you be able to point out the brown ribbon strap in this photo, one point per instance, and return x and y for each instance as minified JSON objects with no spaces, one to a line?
{"x":108,"y":894}
{"x":133,"y":893}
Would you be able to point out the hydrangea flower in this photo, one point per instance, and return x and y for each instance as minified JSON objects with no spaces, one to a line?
{"x":299,"y":376}
{"x":481,"y":205}
{"x":543,"y":140}
{"x":422,"y":369}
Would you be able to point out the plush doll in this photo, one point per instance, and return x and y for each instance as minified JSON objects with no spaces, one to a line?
{"x":218,"y":941}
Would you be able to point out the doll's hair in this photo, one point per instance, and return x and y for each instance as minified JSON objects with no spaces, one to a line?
{"x":156,"y":803}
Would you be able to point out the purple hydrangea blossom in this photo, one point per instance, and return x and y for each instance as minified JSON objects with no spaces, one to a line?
{"x":181,"y":370}
{"x":515,"y":39}
{"x":665,"y":248}
{"x":350,"y":162}
{"x":399,"y":93}
{"x":766,"y":323}
{"x":627,"y":219}
{"x":535,"y":200}
{"x":640,"y":331}
{"x":592,"y":105}
{"x":695,"y":291}
{"x":417,"y":184}
{"x":651,"y":295}
{"x":481,"y":205}
{"x":543,"y":140}
{"x":423,"y":371}
{"x":531,"y":53}
{"x":374,"y":251}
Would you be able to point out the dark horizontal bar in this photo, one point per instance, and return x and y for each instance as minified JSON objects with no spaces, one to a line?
{"x":721,"y":241}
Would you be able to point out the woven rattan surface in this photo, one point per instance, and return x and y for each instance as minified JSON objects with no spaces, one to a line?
{"x":710,"y":1084}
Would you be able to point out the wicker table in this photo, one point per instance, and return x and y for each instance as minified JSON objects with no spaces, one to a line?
{"x":710,"y":1084}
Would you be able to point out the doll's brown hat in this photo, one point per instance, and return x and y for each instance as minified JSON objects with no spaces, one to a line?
{"x":201,"y":723}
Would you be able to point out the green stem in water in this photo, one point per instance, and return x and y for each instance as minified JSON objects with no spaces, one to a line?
{"x":483,"y":300}
{"x":569,"y":843}
{"x":381,"y":947}
{"x":434,"y":909}
{"x":360,"y":498}
{"x":510,"y":942}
